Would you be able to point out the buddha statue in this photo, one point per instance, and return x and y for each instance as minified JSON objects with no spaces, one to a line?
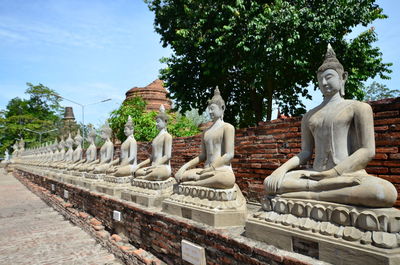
{"x":106,"y":151}
{"x":127,"y":161}
{"x":61,"y":154}
{"x":56,"y":152}
{"x":77,"y":154}
{"x":161,"y":148}
{"x":68,"y":155}
{"x":342,"y":134}
{"x":217,"y":151}
{"x":91,"y":152}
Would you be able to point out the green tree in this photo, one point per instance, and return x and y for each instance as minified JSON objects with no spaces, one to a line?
{"x":40,"y":112}
{"x":260,"y":51}
{"x":377,"y":91}
{"x":144,"y":122}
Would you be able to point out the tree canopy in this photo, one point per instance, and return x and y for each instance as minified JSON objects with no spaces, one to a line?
{"x":144,"y":122}
{"x":263,"y":50}
{"x":377,"y":91}
{"x":40,"y":112}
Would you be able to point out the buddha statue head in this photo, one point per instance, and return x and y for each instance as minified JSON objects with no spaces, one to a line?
{"x":78,"y":138}
{"x":128,"y":130}
{"x":216,"y":106}
{"x":54,"y":145}
{"x":69,"y":142}
{"x":21,"y":144}
{"x":331,"y":75}
{"x":106,"y":131}
{"x":161,"y":119}
{"x":92,"y":135}
{"x":61,"y":144}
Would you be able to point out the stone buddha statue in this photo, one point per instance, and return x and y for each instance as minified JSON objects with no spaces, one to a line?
{"x":91,"y":152}
{"x":106,"y":151}
{"x":128,"y":158}
{"x":217,"y":151}
{"x":56,"y":152}
{"x":77,"y":154}
{"x":161,"y":147}
{"x":342,"y":134}
{"x":68,"y":155}
{"x":61,"y":154}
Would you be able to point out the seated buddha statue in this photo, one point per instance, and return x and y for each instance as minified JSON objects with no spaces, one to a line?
{"x":60,"y":154}
{"x":127,"y":161}
{"x":91,"y":152}
{"x":342,"y":134}
{"x":106,"y":151}
{"x":161,"y":148}
{"x":217,"y":151}
{"x":68,"y":155}
{"x":77,"y":154}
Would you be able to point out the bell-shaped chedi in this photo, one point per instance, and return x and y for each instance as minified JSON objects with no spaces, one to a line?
{"x":154,"y":94}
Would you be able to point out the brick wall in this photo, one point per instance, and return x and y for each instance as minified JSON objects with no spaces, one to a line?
{"x":259,"y":150}
{"x":159,"y":233}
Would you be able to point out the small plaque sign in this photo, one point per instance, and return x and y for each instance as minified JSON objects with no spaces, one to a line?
{"x":193,"y":253}
{"x":65,"y":194}
{"x":305,"y":247}
{"x":53,"y":187}
{"x":117,"y":216}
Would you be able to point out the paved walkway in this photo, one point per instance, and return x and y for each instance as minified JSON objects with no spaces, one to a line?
{"x":33,"y":233}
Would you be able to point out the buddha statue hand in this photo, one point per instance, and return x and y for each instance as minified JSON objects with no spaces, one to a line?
{"x":179,"y":174}
{"x":315,"y":175}
{"x":274,"y":181}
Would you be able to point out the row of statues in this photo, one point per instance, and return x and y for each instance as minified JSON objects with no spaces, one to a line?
{"x":340,"y":131}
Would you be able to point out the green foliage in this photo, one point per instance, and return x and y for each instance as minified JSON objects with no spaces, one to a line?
{"x":262,"y":51}
{"x":40,"y":112}
{"x":144,"y":122}
{"x":376,"y":91}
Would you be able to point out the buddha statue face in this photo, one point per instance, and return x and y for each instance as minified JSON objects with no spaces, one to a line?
{"x":216,"y":112}
{"x":330,"y":82}
{"x":128,"y":130}
{"x":160,"y":123}
{"x":106,"y":132}
{"x":104,"y":135}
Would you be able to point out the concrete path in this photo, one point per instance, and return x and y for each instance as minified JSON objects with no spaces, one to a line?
{"x":33,"y":233}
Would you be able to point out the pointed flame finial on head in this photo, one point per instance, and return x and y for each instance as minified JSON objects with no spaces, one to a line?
{"x":217,"y":99}
{"x":162,"y":115}
{"x":331,"y":62}
{"x":129,"y":123}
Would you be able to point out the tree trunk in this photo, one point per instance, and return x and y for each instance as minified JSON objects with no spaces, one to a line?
{"x":269,"y":93}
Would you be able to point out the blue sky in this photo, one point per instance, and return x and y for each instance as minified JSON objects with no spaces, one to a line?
{"x":92,"y":50}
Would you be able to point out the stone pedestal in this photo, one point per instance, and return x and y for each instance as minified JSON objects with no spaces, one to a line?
{"x":114,"y":185}
{"x":335,"y":233}
{"x":149,"y":193}
{"x":90,"y":181}
{"x":214,"y":207}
